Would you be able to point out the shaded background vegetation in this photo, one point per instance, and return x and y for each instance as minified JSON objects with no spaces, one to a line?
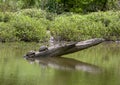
{"x":71,"y":20}
{"x":59,"y":6}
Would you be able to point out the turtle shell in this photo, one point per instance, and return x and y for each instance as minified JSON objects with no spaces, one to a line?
{"x":43,"y":48}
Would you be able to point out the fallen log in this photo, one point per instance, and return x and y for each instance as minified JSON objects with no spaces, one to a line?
{"x":59,"y":50}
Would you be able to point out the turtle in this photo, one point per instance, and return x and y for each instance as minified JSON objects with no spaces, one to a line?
{"x":43,"y":48}
{"x":31,"y":54}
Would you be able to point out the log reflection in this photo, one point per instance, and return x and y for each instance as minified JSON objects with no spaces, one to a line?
{"x":66,"y":64}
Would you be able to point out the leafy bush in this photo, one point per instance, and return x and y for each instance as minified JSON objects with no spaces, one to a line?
{"x":37,"y":13}
{"x":6,"y":16}
{"x":29,"y":29}
{"x":81,"y":6}
{"x":105,"y":17}
{"x":31,"y":25}
{"x":65,"y":28}
{"x":78,"y":27}
{"x":9,"y":5}
{"x":1,"y":17}
{"x":7,"y":32}
{"x":26,"y":27}
{"x":114,"y":30}
{"x":110,"y":20}
{"x":33,"y":13}
{"x":75,"y":27}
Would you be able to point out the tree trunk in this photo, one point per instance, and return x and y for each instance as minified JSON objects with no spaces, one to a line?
{"x":59,"y":50}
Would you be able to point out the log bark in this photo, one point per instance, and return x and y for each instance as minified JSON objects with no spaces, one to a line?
{"x":59,"y":50}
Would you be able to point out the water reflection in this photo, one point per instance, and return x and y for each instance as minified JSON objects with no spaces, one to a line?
{"x":14,"y":70}
{"x":65,"y":64}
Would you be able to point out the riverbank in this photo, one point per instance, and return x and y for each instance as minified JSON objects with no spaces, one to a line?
{"x":31,"y":25}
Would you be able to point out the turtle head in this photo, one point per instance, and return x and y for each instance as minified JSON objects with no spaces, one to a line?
{"x":30,"y":55}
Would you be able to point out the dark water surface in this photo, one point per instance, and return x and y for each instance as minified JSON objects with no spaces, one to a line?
{"x":98,"y":65}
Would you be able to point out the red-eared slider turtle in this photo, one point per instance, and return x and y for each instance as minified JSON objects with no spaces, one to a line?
{"x":43,"y":48}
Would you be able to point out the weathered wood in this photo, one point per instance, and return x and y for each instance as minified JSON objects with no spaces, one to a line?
{"x":59,"y":50}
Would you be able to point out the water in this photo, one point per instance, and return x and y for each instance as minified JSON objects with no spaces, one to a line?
{"x":98,"y":65}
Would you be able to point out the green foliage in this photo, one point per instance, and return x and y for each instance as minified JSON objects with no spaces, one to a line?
{"x":37,"y":13}
{"x":64,"y":28}
{"x":7,"y":32}
{"x":110,"y":21}
{"x":26,"y":27}
{"x":29,"y":29}
{"x":79,"y":6}
{"x":79,"y":27}
{"x":30,"y":3}
{"x":60,"y":6}
{"x":104,"y":17}
{"x":31,"y":25}
{"x":76,"y":27}
{"x":14,"y":5}
{"x":33,"y":13}
{"x":9,"y":5}
{"x":1,"y":17}
{"x":114,"y":30}
{"x":6,"y":16}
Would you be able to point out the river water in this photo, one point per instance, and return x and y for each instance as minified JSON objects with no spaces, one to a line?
{"x":98,"y":65}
